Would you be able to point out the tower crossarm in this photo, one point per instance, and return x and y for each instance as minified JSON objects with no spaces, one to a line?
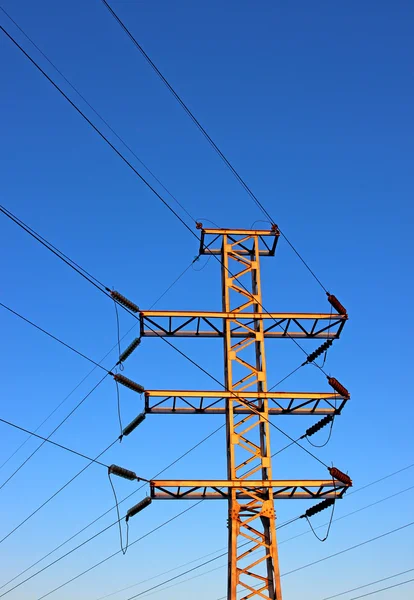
{"x":241,"y":324}
{"x":186,"y":402}
{"x":220,"y":489}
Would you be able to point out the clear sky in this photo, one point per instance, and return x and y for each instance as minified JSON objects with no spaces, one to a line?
{"x":312,"y":102}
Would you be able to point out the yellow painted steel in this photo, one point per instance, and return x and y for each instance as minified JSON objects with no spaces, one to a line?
{"x":249,"y":488}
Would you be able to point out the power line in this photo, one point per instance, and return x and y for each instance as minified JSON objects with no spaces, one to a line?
{"x":347,"y":550}
{"x":282,"y":542}
{"x":57,"y":492}
{"x":76,"y":267}
{"x":95,"y":128}
{"x":205,"y":134}
{"x":119,"y":551}
{"x":190,"y":508}
{"x":102,"y":515}
{"x":175,"y":461}
{"x":90,"y":372}
{"x":54,"y":430}
{"x":224,"y":565}
{"x":68,"y":261}
{"x":97,"y":114}
{"x":53,"y":337}
{"x":105,"y":289}
{"x":368,"y":584}
{"x":378,"y":537}
{"x":31,"y":433}
{"x":383,"y":589}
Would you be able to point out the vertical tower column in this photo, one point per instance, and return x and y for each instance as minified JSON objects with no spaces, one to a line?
{"x":248,"y":436}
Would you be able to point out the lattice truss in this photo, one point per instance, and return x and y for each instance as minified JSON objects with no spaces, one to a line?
{"x":243,"y":325}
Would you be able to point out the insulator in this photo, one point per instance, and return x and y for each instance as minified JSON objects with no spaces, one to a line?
{"x":337,"y":474}
{"x":138,"y":507}
{"x":275,"y":229}
{"x":121,"y":472}
{"x":323,"y":348}
{"x":313,"y":510}
{"x":129,"y":383}
{"x":333,"y":300}
{"x":312,"y":430}
{"x":132,"y":346}
{"x":338,"y":387}
{"x":134,"y":424}
{"x":122,"y":300}
{"x":199,"y":225}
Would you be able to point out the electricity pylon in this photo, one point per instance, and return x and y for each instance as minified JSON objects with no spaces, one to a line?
{"x":243,"y":325}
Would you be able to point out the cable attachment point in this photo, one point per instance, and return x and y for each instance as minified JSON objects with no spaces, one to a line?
{"x":121,"y":472}
{"x":333,"y":300}
{"x":136,"y":387}
{"x":199,"y":225}
{"x":274,"y":229}
{"x":134,"y":424}
{"x":322,"y":423}
{"x":337,"y":474}
{"x":313,"y":510}
{"x":138,"y":507}
{"x":323,"y":348}
{"x":128,"y":351}
{"x":338,"y":387}
{"x":124,"y":301}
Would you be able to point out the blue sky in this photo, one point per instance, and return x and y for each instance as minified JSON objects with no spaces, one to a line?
{"x":312,"y":103}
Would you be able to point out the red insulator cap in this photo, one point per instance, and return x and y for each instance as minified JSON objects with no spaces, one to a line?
{"x":343,"y":477}
{"x":274,"y":229}
{"x":333,"y":300}
{"x":199,"y":225}
{"x":338,"y":387}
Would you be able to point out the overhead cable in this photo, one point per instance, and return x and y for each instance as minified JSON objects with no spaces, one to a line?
{"x":128,"y":163}
{"x":206,"y":135}
{"x":360,"y":587}
{"x":241,"y":545}
{"x":54,"y":337}
{"x":97,"y":114}
{"x":57,"y":492}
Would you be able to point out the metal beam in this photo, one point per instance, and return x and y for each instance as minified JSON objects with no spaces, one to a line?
{"x":219,"y":489}
{"x":186,"y":402}
{"x":212,"y":324}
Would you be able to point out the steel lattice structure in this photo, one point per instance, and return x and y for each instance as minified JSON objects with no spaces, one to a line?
{"x":243,"y":326}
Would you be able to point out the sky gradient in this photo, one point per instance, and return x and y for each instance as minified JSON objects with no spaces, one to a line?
{"x":312,"y":103}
